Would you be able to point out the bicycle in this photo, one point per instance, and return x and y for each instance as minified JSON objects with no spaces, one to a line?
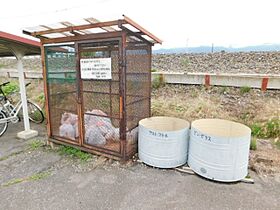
{"x":10,"y":113}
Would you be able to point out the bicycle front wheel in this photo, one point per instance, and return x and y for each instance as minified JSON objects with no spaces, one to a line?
{"x":35,"y":113}
{"x":4,"y":125}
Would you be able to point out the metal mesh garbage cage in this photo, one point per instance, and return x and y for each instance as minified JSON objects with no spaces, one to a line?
{"x":97,"y":79}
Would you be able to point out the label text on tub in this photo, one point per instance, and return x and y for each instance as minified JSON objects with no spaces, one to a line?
{"x":202,"y":136}
{"x":158,"y":134}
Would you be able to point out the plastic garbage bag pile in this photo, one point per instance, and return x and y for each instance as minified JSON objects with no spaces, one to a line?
{"x":98,"y":129}
{"x":69,"y":126}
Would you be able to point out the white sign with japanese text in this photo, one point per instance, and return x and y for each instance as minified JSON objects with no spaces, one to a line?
{"x":96,"y":68}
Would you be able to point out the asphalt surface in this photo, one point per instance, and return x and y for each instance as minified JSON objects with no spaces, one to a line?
{"x":100,"y":184}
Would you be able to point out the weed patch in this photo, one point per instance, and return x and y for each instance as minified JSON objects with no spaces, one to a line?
{"x":35,"y":144}
{"x":10,"y":88}
{"x":73,"y":152}
{"x":245,"y":89}
{"x":269,"y":129}
{"x":158,"y":82}
{"x":41,"y":98}
{"x":253,"y":144}
{"x":34,"y":177}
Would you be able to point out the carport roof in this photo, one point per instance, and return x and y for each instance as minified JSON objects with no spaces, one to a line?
{"x":10,"y":41}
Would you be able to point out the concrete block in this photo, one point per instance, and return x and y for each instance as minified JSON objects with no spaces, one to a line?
{"x":27,"y":134}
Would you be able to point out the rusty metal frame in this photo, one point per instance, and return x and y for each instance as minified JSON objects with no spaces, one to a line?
{"x":46,"y":92}
{"x":150,"y":79}
{"x":122,"y":89}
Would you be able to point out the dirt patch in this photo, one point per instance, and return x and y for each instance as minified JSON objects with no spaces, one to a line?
{"x":265,"y":161}
{"x":194,"y":102}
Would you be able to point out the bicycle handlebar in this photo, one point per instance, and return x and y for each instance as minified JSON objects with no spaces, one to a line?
{"x":5,"y":83}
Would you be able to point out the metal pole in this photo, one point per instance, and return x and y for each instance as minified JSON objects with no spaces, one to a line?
{"x":23,"y":93}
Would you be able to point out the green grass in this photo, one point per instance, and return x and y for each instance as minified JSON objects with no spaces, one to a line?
{"x":73,"y":152}
{"x":153,"y":70}
{"x":248,"y":176}
{"x":39,"y":176}
{"x":11,"y":87}
{"x":253,"y":144}
{"x":41,"y":98}
{"x":245,"y":89}
{"x":269,"y":129}
{"x":13,"y":181}
{"x":2,"y":65}
{"x":34,"y":177}
{"x":179,"y":108}
{"x":35,"y":144}
{"x":158,"y":82}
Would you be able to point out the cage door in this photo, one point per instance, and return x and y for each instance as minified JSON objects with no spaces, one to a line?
{"x":62,"y":92}
{"x":99,"y":69}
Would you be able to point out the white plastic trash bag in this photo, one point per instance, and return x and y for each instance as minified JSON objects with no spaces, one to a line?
{"x":93,"y":136}
{"x":69,"y":126}
{"x":67,"y":130}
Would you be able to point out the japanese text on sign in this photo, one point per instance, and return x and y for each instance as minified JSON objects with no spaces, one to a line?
{"x":96,"y":68}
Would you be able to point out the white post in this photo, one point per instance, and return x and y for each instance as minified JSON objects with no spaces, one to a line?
{"x":23,"y":93}
{"x":27,"y":133}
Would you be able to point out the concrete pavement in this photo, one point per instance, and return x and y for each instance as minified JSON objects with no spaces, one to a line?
{"x":69,"y":183}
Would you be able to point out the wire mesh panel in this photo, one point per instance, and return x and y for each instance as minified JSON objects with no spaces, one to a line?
{"x":62,"y":91}
{"x":138,"y":86}
{"x":101,"y":97}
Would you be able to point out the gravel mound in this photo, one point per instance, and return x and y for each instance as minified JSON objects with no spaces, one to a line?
{"x":222,"y":62}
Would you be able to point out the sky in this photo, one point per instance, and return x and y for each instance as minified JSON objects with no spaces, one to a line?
{"x":179,"y":23}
